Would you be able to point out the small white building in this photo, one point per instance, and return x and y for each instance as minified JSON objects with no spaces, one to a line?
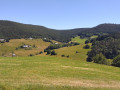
{"x":30,"y":38}
{"x":56,"y":43}
{"x":2,"y":40}
{"x":13,"y":55}
{"x":26,"y":46}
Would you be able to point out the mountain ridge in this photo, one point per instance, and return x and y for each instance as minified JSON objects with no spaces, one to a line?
{"x":14,"y":30}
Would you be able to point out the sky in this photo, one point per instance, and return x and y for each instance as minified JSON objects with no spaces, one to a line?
{"x":61,"y":14}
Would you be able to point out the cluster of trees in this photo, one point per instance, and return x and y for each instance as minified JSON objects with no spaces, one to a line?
{"x":50,"y":52}
{"x":104,"y":48}
{"x":56,"y":46}
{"x":50,"y":48}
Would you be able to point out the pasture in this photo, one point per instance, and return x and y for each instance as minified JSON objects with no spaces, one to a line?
{"x":55,"y":73}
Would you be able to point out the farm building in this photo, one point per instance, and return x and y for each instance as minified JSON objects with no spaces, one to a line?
{"x":2,"y":40}
{"x":26,"y":46}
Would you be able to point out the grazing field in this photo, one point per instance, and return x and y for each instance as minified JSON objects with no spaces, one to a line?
{"x":55,"y":73}
{"x":74,"y":52}
{"x":94,"y":36}
{"x":10,"y":47}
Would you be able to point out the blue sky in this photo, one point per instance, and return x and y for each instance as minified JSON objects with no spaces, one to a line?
{"x":61,"y":14}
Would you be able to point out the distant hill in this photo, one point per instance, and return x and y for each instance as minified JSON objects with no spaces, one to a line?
{"x":14,"y":30}
{"x":9,"y":29}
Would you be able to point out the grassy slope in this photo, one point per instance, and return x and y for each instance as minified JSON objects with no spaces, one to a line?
{"x":71,"y":51}
{"x":56,"y":73}
{"x":95,"y":36}
{"x":7,"y":48}
{"x":77,"y":39}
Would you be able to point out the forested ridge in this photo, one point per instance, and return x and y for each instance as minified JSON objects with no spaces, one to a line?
{"x":10,"y":29}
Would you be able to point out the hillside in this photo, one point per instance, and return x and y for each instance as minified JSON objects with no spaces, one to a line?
{"x":14,"y":30}
{"x":14,"y":46}
{"x":74,"y":52}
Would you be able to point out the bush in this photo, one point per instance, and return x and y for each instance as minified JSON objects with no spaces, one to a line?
{"x":116,"y":61}
{"x":74,"y":43}
{"x":7,"y":40}
{"x":63,"y":55}
{"x":53,"y":53}
{"x":45,"y":50}
{"x":68,"y":56}
{"x":100,"y":59}
{"x":87,"y":41}
{"x":41,"y":52}
{"x":87,"y":46}
{"x":77,"y":52}
{"x":48,"y":51}
{"x":31,"y":55}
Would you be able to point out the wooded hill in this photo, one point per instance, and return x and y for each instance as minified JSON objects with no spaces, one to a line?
{"x":14,"y":30}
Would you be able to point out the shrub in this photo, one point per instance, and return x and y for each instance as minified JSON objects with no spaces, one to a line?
{"x":68,"y":56}
{"x":31,"y":55}
{"x":63,"y":55}
{"x":53,"y":53}
{"x":116,"y":61}
{"x":87,"y":46}
{"x":40,"y":52}
{"x":87,"y":41}
{"x":45,"y":50}
{"x":7,"y":40}
{"x":74,"y":43}
{"x":77,"y":52}
{"x":48,"y":51}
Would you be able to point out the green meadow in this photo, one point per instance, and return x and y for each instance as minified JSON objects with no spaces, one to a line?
{"x":55,"y":73}
{"x":6,"y":49}
{"x":78,"y":39}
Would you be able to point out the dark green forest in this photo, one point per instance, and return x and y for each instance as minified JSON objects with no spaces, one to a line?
{"x":105,"y":47}
{"x":14,"y":30}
